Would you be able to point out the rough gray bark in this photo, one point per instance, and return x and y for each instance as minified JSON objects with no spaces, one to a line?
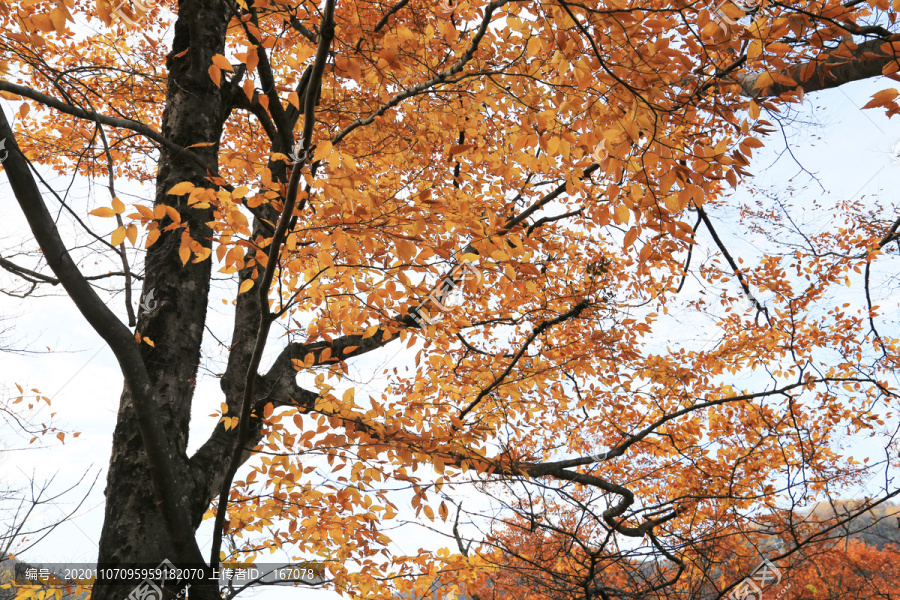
{"x":131,"y":531}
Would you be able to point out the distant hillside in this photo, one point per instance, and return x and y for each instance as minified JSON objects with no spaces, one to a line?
{"x":877,"y":527}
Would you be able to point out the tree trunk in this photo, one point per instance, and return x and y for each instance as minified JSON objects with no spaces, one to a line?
{"x":132,"y":529}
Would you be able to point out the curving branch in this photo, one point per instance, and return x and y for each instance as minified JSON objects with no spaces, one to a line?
{"x":742,"y":279}
{"x":35,"y":277}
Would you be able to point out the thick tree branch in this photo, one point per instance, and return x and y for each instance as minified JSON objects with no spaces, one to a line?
{"x":383,"y":20}
{"x":829,"y":70}
{"x":255,"y":108}
{"x":301,"y":28}
{"x":267,"y":78}
{"x":292,"y":114}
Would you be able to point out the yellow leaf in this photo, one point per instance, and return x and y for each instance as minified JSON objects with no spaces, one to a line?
{"x":252,"y":59}
{"x":622,"y":215}
{"x":779,"y":47}
{"x":294,"y":100}
{"x":553,"y":146}
{"x":222,"y":62}
{"x":180,"y":189}
{"x":322,"y":150}
{"x":149,"y":342}
{"x":215,"y":73}
{"x":355,"y":68}
{"x":459,"y":149}
{"x":103,"y":211}
{"x":240,"y":191}
{"x":61,"y":436}
{"x":754,"y":110}
{"x":390,"y":58}
{"x":184,"y":253}
{"x":152,"y":237}
{"x":118,"y":206}
{"x":764,"y":80}
{"x":755,"y":49}
{"x":405,"y":249}
{"x":246,"y":285}
{"x":118,"y":236}
{"x":131,"y":234}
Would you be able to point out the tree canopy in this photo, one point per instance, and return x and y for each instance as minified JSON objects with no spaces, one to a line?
{"x":344,"y":167}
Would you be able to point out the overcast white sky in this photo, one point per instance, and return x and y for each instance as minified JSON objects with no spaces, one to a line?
{"x":847,"y":149}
